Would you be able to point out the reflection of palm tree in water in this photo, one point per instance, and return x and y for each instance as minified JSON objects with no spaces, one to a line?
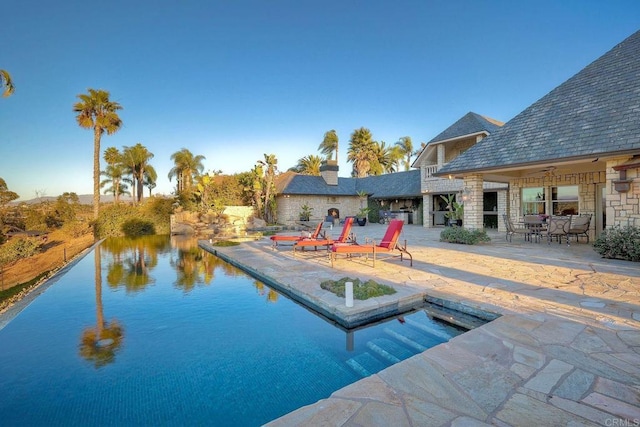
{"x":132,"y":260}
{"x":100,"y":344}
{"x":272,"y":295}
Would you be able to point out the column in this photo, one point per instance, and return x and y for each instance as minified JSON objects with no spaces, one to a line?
{"x":473,"y":205}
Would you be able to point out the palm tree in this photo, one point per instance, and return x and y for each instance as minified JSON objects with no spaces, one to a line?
{"x":384,"y":160}
{"x":114,"y":176}
{"x":406,"y":147}
{"x":114,"y":173}
{"x":187,"y":168}
{"x":96,"y":111}
{"x":361,"y":152}
{"x":308,"y":165}
{"x":137,"y":160}
{"x":5,"y":80}
{"x":329,"y":144}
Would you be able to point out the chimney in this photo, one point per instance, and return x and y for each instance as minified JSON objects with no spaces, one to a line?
{"x":329,"y":171}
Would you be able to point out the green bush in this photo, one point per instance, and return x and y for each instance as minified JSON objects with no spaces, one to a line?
{"x":135,"y":227}
{"x":361,"y":290}
{"x":155,"y":210}
{"x":619,"y":243}
{"x":16,"y":249}
{"x":463,"y":235}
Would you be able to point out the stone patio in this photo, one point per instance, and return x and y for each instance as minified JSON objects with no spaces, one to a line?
{"x":564,"y":350}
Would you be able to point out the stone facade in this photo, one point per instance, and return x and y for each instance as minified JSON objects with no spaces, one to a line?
{"x":431,"y":186}
{"x":289,"y":207}
{"x":622,"y":206}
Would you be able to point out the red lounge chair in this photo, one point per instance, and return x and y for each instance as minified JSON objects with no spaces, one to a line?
{"x":277,"y":238}
{"x":345,"y":238}
{"x":388,"y":244}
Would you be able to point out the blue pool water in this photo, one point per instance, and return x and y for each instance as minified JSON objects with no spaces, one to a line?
{"x":190,"y":340}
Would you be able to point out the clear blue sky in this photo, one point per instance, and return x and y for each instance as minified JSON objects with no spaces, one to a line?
{"x":232,"y":80}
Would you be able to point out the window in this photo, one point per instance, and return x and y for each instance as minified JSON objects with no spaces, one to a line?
{"x":564,"y":200}
{"x":533,"y":202}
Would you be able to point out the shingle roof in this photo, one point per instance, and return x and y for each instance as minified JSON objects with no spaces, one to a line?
{"x":595,"y":112}
{"x":393,"y":185}
{"x":293,"y":183}
{"x":468,"y":124}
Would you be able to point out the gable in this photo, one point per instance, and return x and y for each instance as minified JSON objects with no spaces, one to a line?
{"x":595,"y":112}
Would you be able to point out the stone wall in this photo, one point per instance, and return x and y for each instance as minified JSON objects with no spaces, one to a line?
{"x":289,"y":207}
{"x":623,"y":208}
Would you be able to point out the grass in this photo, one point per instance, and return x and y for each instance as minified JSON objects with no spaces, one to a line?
{"x":8,"y":294}
{"x":361,"y":290}
{"x":225,"y":243}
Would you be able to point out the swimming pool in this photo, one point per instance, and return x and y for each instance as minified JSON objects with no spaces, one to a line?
{"x":188,"y":339}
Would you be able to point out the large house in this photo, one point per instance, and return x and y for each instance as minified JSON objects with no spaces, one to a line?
{"x":329,"y":194}
{"x":444,"y":148}
{"x":576,"y":150}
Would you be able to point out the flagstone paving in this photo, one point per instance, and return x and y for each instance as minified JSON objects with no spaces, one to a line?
{"x":564,"y":350}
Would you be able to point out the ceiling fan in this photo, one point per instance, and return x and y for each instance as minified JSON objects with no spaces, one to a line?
{"x":547,"y":171}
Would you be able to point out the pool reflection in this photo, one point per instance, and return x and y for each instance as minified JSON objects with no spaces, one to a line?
{"x":99,"y":345}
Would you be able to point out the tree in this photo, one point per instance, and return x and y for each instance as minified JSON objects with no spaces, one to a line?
{"x":271,"y":162}
{"x":5,"y":80}
{"x":329,"y":144}
{"x":6,"y":196}
{"x":361,"y":152}
{"x":137,"y":160}
{"x":187,"y":168}
{"x":308,"y":165}
{"x":260,"y":185}
{"x":96,"y":111}
{"x":114,"y":174}
{"x":384,"y":160}
{"x":406,"y":148}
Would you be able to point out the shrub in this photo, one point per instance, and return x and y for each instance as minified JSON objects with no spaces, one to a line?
{"x":463,"y":235}
{"x":361,"y":290}
{"x":155,"y":211}
{"x":75,"y":228}
{"x":619,"y":243}
{"x":16,"y":249}
{"x":135,"y":227}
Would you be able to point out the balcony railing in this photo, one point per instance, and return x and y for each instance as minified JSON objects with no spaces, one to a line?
{"x":428,"y":171}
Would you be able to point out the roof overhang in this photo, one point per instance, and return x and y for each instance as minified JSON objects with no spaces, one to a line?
{"x":506,"y":173}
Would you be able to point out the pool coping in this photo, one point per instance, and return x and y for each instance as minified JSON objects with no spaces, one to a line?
{"x":326,"y":303}
{"x":364,"y":312}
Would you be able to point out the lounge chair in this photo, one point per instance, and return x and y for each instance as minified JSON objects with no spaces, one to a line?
{"x":512,"y":229}
{"x":580,"y":227}
{"x":283,"y":238}
{"x":345,"y":238}
{"x":388,"y":244}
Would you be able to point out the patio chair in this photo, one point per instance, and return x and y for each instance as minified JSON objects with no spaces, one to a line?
{"x":558,"y":226}
{"x":535,"y":225}
{"x":512,"y":229}
{"x":388,"y":244}
{"x":580,"y":227}
{"x":345,"y":237}
{"x":282,"y":238}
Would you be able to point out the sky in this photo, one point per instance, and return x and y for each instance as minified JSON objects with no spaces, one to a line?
{"x":235,"y":80}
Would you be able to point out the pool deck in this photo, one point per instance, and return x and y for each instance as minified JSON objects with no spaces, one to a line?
{"x":564,"y":351}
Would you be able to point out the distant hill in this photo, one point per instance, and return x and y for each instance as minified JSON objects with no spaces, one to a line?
{"x":85,"y":199}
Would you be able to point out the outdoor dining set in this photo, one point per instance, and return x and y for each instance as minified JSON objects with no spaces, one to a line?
{"x":534,"y":228}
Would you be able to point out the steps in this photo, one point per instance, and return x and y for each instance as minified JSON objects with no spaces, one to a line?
{"x":397,"y":343}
